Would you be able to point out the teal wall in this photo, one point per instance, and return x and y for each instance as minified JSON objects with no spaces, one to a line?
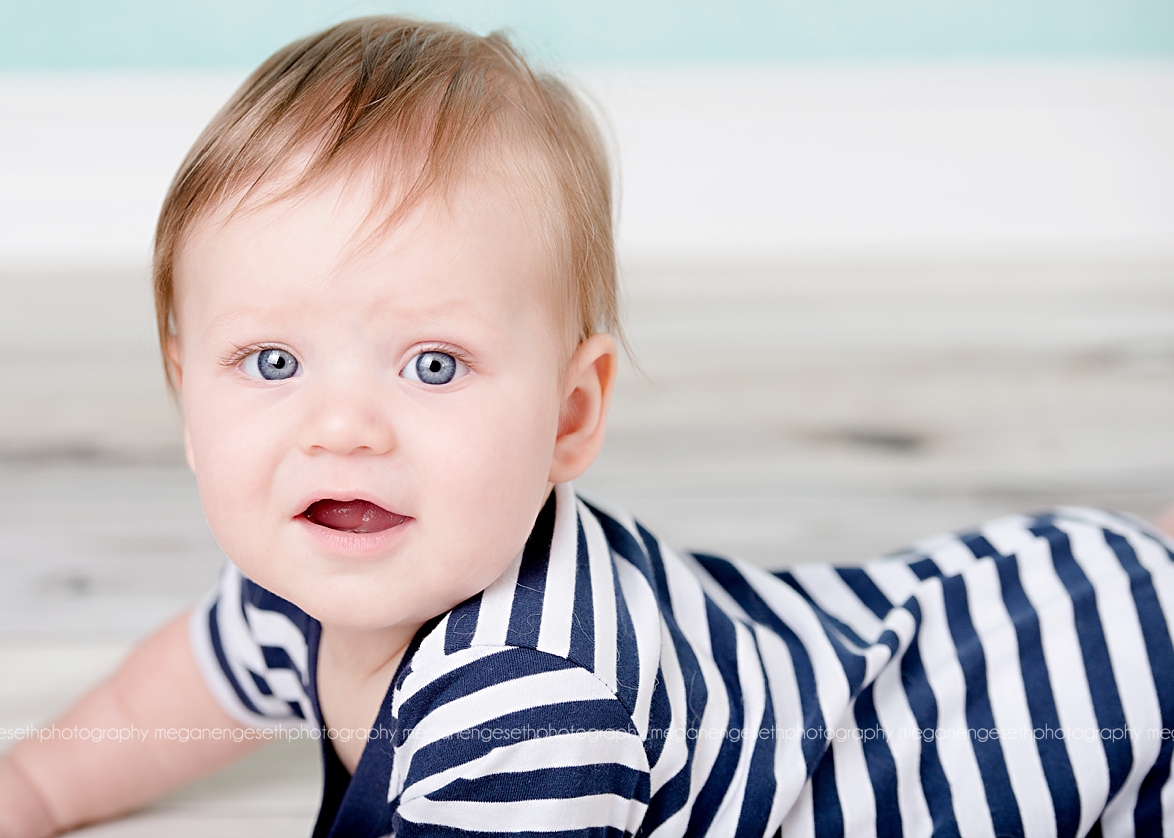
{"x":136,"y":34}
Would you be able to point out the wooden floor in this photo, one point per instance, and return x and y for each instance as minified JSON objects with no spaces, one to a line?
{"x":784,"y":413}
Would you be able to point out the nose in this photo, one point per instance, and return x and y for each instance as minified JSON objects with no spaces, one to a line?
{"x":346,"y":418}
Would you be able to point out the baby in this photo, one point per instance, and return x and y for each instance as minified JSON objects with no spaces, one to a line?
{"x":385,"y":283}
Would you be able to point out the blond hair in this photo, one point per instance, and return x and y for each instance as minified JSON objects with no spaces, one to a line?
{"x":403,"y":96}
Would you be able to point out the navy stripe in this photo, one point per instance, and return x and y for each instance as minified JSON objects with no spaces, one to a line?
{"x":407,"y":829}
{"x":222,"y":659}
{"x":669,"y":798}
{"x":882,"y":768}
{"x":1098,"y":666}
{"x":736,"y":586}
{"x":761,"y":783}
{"x":621,"y":540}
{"x":582,"y":649}
{"x":866,"y":590}
{"x":462,"y":624}
{"x":825,"y":798}
{"x":925,"y":568}
{"x":627,"y":652}
{"x":489,"y":671}
{"x":1147,"y":815}
{"x":924,"y":706}
{"x":261,"y":683}
{"x":660,"y":717}
{"x":551,"y":783}
{"x":278,"y":657}
{"x":674,"y":794}
{"x":526,"y":613}
{"x":854,"y":665}
{"x":265,"y":600}
{"x":996,"y":780}
{"x":544,"y":721}
{"x":832,"y":624}
{"x":724,"y":641}
{"x":1040,"y":695}
{"x":657,"y":561}
{"x":1037,"y":687}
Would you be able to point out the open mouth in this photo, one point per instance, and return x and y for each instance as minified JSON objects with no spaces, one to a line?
{"x":357,"y":516}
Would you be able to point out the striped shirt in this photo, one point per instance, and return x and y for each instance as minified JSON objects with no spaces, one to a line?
{"x":1017,"y":679}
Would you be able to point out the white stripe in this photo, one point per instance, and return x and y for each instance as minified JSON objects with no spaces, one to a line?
{"x":688,"y":602}
{"x":831,"y":683}
{"x":1168,"y":803}
{"x":242,"y":652}
{"x":525,"y":815}
{"x":209,"y":665}
{"x":1062,"y":656}
{"x":603,"y":597}
{"x":693,"y":622}
{"x":895,"y":580}
{"x":853,"y":785}
{"x":831,"y":593}
{"x":790,"y":766}
{"x":674,"y":752}
{"x":725,"y":820}
{"x":497,"y":601}
{"x":1126,"y":645}
{"x":558,"y":599}
{"x":714,"y":590}
{"x":560,"y":750}
{"x":272,"y":628}
{"x":430,"y":663}
{"x":485,"y":705}
{"x":619,"y":515}
{"x":902,"y":734}
{"x":800,"y":821}
{"x":951,"y":555}
{"x":945,"y":677}
{"x":642,"y":604}
{"x":1012,"y":718}
{"x":1117,"y":818}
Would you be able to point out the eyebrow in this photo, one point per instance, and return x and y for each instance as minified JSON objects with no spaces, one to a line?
{"x":451,"y":310}
{"x":224,"y":321}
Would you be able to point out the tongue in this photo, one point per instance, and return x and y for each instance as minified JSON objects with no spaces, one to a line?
{"x":352,"y":516}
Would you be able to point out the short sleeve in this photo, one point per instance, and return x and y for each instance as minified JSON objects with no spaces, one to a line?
{"x":254,"y":650}
{"x":513,"y":740}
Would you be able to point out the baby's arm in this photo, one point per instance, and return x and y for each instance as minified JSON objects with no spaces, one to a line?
{"x":52,"y":785}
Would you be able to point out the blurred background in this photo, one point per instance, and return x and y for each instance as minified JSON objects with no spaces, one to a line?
{"x":888,"y":269}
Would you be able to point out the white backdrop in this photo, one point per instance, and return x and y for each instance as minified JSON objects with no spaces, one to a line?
{"x":769,"y":164}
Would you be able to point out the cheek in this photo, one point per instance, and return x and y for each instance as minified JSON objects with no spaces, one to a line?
{"x":234,"y":459}
{"x":485,"y":467}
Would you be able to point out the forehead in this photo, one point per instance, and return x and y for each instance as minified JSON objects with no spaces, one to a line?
{"x":484,"y":241}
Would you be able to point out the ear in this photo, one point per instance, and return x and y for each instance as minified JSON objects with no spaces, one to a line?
{"x":171,"y":360}
{"x":582,"y":421}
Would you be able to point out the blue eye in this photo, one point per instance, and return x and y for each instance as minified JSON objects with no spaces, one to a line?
{"x":434,"y":368}
{"x":271,"y":365}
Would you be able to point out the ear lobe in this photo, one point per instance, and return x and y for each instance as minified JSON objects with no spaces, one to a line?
{"x":582,"y":423}
{"x":188,"y":454}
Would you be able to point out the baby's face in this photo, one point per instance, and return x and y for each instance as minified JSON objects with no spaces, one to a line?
{"x":371,"y":422}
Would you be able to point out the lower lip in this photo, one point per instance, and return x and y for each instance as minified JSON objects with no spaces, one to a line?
{"x":354,"y":544}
